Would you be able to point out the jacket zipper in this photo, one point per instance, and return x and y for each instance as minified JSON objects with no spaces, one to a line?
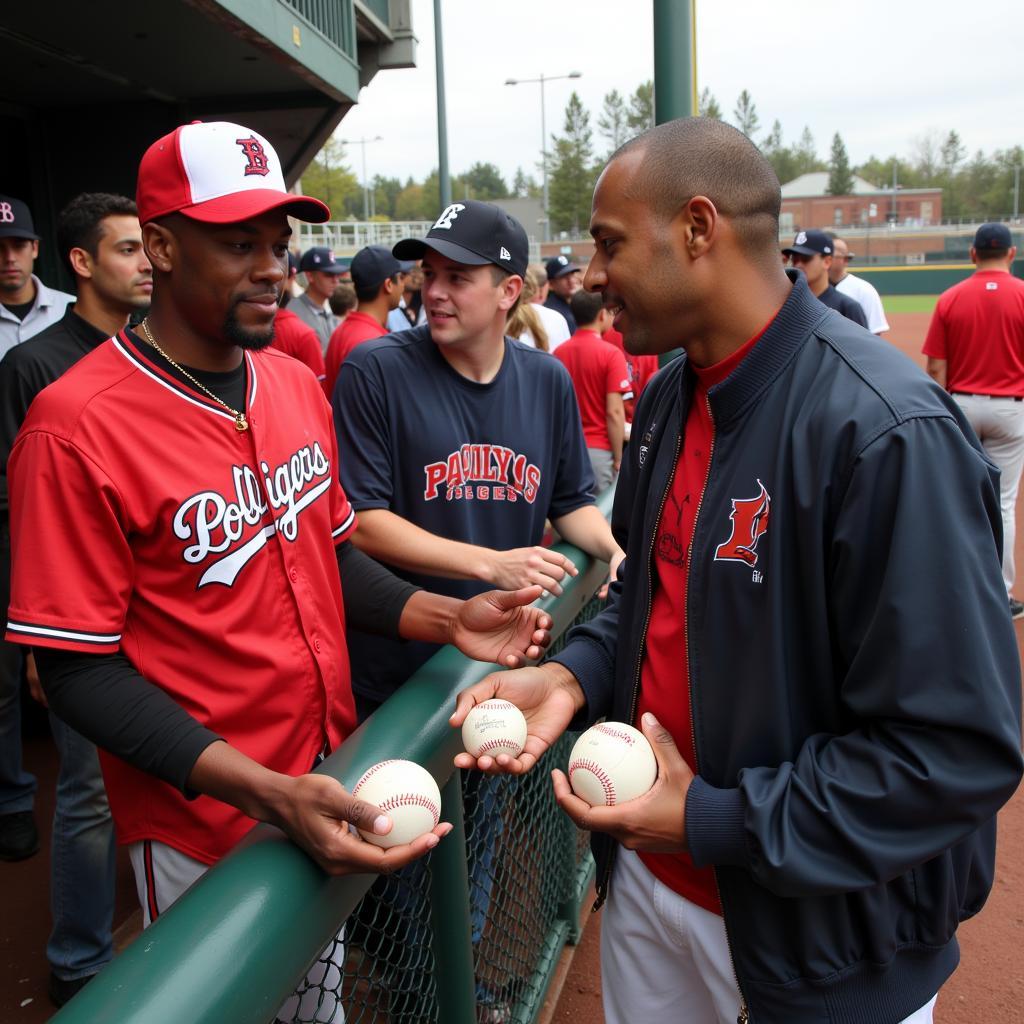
{"x":743,"y":1017}
{"x":602,"y":882}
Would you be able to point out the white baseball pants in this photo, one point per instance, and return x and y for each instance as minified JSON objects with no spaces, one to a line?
{"x":162,"y":874}
{"x":999,"y":424}
{"x":664,"y":958}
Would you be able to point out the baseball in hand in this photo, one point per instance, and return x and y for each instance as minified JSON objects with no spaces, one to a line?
{"x":494,"y":727}
{"x":610,"y":764}
{"x":407,"y":794}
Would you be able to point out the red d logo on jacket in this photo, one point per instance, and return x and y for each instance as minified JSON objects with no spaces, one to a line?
{"x":749,"y":523}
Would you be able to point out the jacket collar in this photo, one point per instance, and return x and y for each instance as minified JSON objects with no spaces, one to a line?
{"x":787,"y":333}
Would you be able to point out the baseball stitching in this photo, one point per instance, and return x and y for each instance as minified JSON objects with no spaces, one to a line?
{"x":496,"y":705}
{"x":372,"y":771}
{"x":412,"y":800}
{"x":504,"y":744}
{"x":599,"y":773}
{"x":619,"y":734}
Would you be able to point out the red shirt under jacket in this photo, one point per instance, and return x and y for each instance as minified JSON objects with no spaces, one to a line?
{"x":664,"y":675}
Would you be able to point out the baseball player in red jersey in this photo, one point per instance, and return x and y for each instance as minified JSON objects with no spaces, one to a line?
{"x":975,"y":350}
{"x":178,"y":532}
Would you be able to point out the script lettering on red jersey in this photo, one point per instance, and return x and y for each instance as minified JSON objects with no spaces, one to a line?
{"x":482,"y":472}
{"x":216,"y":524}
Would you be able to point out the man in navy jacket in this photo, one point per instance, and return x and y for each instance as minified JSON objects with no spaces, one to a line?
{"x":810,"y":627}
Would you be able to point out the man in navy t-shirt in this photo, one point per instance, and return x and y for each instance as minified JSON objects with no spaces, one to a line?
{"x":459,"y":442}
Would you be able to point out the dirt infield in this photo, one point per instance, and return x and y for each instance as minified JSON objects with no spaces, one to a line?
{"x":988,"y":988}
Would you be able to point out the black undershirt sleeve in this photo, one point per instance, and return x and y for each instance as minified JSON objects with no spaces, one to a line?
{"x":374,"y":596}
{"x":105,"y":699}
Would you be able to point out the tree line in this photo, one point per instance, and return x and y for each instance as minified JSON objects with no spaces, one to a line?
{"x":975,"y":187}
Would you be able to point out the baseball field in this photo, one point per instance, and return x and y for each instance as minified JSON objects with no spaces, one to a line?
{"x":989,"y":985}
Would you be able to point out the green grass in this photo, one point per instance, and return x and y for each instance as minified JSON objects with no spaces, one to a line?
{"x":909,"y":303}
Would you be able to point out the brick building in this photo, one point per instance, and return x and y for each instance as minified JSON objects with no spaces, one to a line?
{"x":807,"y":204}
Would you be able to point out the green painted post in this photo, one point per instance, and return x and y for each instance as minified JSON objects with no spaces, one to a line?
{"x":675,"y":60}
{"x":675,"y":73}
{"x":449,"y":913}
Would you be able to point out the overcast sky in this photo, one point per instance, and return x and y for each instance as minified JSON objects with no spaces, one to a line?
{"x":880,"y":72}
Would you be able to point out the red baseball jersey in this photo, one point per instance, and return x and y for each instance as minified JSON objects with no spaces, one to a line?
{"x":297,"y":339}
{"x":353,"y":330}
{"x":978,"y":328}
{"x":597,"y":370}
{"x":143,"y":522}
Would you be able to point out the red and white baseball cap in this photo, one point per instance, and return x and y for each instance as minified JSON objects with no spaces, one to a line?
{"x":219,"y":173}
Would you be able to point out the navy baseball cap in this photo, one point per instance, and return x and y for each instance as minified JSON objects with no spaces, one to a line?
{"x":993,"y":236}
{"x":16,"y":220}
{"x":558,"y":266}
{"x":321,"y":258}
{"x":372,"y":266}
{"x":475,"y":234}
{"x":810,"y":243}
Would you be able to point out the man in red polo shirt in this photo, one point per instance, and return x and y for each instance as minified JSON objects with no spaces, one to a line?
{"x":601,"y":381}
{"x":379,"y":280}
{"x":975,"y":350}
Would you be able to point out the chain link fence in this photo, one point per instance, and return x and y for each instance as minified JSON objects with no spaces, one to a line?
{"x":528,"y":868}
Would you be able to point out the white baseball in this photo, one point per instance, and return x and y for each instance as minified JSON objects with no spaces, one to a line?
{"x":407,"y":794}
{"x":494,"y":727}
{"x":612,"y":763}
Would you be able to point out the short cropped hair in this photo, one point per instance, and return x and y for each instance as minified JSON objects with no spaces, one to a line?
{"x":79,"y":223}
{"x":699,"y":156}
{"x":990,"y":255}
{"x":498,"y":274}
{"x":369,"y":292}
{"x":585,"y":306}
{"x":343,"y":298}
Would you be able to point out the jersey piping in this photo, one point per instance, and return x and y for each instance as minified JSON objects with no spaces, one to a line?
{"x":124,"y":344}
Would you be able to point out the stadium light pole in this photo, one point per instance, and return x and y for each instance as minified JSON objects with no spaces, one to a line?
{"x":544,"y":134}
{"x":366,"y":184}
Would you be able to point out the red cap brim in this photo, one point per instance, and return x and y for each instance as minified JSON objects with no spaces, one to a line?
{"x":253,"y":202}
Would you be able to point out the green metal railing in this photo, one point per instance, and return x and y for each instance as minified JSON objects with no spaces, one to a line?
{"x":470,"y":933}
{"x":333,"y":19}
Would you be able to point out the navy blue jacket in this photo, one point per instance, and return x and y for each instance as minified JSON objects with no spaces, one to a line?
{"x":855,"y":686}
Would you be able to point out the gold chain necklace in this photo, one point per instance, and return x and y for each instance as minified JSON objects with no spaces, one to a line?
{"x":241,"y":423}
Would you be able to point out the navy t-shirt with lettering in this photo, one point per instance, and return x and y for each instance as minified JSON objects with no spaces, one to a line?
{"x":481,"y":463}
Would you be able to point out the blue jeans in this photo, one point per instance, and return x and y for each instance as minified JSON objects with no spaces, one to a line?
{"x":83,"y":866}
{"x":17,"y":786}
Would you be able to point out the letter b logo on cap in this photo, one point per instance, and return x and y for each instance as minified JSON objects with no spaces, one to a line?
{"x":444,"y":222}
{"x":6,"y":214}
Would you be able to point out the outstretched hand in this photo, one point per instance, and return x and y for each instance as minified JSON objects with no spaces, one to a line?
{"x":502,"y":627}
{"x":548,"y":696}
{"x":656,"y":821}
